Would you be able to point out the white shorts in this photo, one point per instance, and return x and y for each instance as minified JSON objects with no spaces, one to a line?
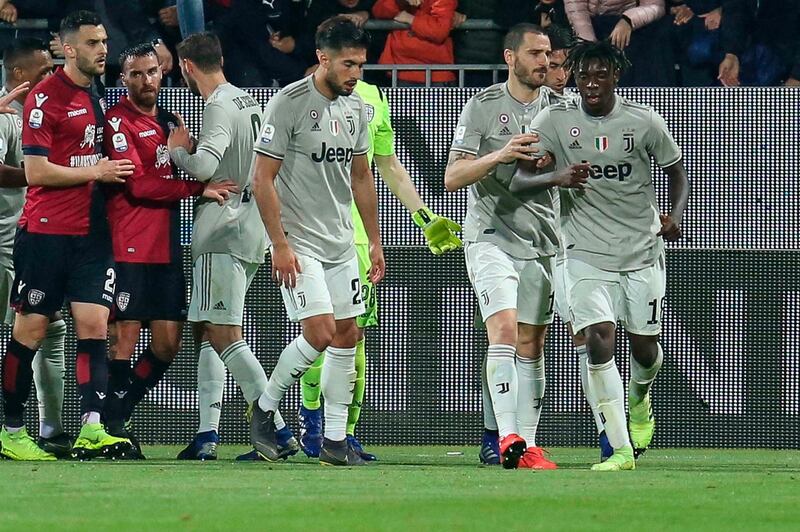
{"x":6,"y":281}
{"x":634,"y":298}
{"x":219,"y":284}
{"x":324,"y":288}
{"x":504,"y":282}
{"x":561,"y":305}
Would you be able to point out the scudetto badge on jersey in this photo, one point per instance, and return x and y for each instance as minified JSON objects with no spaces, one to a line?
{"x":35,"y":119}
{"x":601,"y":143}
{"x":120,"y":142}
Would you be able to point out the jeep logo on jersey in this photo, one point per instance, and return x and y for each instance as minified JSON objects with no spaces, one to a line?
{"x":333,"y":155}
{"x":35,"y":297}
{"x":123,"y":298}
{"x":611,"y":171}
{"x":88,"y":136}
{"x":601,"y":143}
{"x":162,"y":156}
{"x":334,"y":127}
{"x":628,"y":139}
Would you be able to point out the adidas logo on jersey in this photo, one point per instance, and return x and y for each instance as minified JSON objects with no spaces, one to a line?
{"x":216,"y":405}
{"x":505,"y":131}
{"x":316,"y":127}
{"x":575,"y":145}
{"x":220,"y":306}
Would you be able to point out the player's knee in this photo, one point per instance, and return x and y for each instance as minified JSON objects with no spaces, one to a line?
{"x":222,"y":336}
{"x":347,"y":334}
{"x":319,"y":331}
{"x":502,"y":328}
{"x":30,"y":329}
{"x":166,"y":349}
{"x":644,"y":349}
{"x":600,"y":342}
{"x":530,"y":341}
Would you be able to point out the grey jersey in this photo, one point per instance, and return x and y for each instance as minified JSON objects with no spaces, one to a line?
{"x":522,"y":225}
{"x":612,"y":223}
{"x":316,"y":138}
{"x":231,"y":121}
{"x":11,"y":199}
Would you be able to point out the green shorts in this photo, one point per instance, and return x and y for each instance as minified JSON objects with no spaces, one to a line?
{"x":368,"y":292}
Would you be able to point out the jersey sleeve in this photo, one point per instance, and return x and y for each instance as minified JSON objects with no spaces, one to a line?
{"x":37,"y":126}
{"x":215,"y":135}
{"x":383,"y":144}
{"x":469,"y":130}
{"x":277,"y":128}
{"x":542,"y":125}
{"x":660,"y":144}
{"x":362,"y":141}
{"x":14,"y":142}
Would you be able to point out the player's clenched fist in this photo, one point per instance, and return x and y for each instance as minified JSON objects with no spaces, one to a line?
{"x":573,"y":176}
{"x":285,"y":266}
{"x":220,"y":192}
{"x":378,"y":269}
{"x":670,"y":227}
{"x":518,"y":147}
{"x":108,"y":171}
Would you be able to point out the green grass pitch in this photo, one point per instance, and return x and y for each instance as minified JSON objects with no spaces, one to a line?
{"x":411,"y":488}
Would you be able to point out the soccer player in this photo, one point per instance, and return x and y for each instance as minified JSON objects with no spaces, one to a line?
{"x":311,"y":164}
{"x":557,"y":79}
{"x":144,"y":216}
{"x":511,"y":240}
{"x":27,"y":62}
{"x":228,"y":239}
{"x":613,"y":233}
{"x":62,"y":249}
{"x":439,"y":233}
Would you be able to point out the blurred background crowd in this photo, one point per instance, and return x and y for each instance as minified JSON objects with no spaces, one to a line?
{"x":686,"y":43}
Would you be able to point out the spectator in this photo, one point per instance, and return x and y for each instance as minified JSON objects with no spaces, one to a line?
{"x":479,"y":47}
{"x":543,"y":13}
{"x":52,"y":10}
{"x":184,"y":14}
{"x":697,"y":44}
{"x":636,"y":26}
{"x":426,"y":41}
{"x":761,"y":43}
{"x":259,"y":42}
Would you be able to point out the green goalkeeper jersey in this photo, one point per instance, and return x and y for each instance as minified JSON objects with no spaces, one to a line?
{"x":381,"y":140}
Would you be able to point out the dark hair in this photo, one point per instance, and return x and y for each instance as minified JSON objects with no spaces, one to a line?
{"x":203,"y":49}
{"x":603,"y":51}
{"x":139,"y":50}
{"x":515,"y":36}
{"x":20,"y":50}
{"x":73,"y":22}
{"x":340,"y":32}
{"x":561,"y":38}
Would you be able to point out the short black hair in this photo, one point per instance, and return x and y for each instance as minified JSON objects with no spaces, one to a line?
{"x":339,"y":32}
{"x":515,"y":36}
{"x":603,"y":51}
{"x":20,"y":50}
{"x":73,"y":22}
{"x":561,"y":38}
{"x":203,"y":49}
{"x":138,"y":50}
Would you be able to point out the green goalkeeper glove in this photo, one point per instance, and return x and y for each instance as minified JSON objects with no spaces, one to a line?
{"x":440,"y":232}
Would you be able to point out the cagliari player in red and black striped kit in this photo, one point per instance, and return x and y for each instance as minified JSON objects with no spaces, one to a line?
{"x":144,"y":216}
{"x":62,"y":250}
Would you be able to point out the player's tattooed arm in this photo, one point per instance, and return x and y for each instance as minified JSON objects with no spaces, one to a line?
{"x":464,"y":171}
{"x":679,"y":189}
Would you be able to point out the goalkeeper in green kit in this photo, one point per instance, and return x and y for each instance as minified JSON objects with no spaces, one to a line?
{"x":440,"y":234}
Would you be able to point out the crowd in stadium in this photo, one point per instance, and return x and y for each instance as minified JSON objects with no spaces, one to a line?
{"x":686,"y":43}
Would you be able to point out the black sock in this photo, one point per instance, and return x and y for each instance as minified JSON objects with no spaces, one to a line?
{"x":17,"y":377}
{"x":91,"y":369}
{"x":119,"y":378}
{"x":147,"y":372}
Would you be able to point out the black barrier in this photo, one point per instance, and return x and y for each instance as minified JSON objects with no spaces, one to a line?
{"x":732,"y":371}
